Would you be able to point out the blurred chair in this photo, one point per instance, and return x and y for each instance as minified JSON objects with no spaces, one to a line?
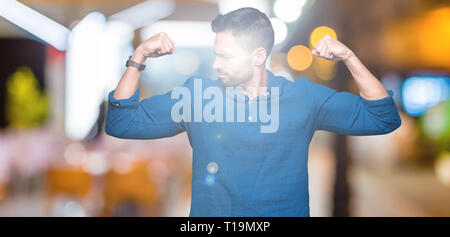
{"x":69,"y":181}
{"x":134,"y":188}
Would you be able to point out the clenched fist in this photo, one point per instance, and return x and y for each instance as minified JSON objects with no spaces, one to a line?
{"x":156,"y":46}
{"x":331,"y":49}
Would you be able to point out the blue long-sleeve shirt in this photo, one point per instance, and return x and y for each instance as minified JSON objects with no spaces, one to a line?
{"x":253,"y":173}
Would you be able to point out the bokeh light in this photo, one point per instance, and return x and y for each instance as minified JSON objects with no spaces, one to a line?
{"x":210,"y":179}
{"x":280,"y":30}
{"x":212,"y":167}
{"x":75,"y":154}
{"x":299,"y":57}
{"x":320,"y":32}
{"x":288,"y":10}
{"x":73,"y":209}
{"x":423,"y":40}
{"x":324,"y":69}
{"x":442,"y":168}
{"x":421,"y":93}
{"x":226,"y":6}
{"x":96,"y":163}
{"x":57,"y":160}
{"x":436,"y":121}
{"x":122,"y":162}
{"x":158,"y":171}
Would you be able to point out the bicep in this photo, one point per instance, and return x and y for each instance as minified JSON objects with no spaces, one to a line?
{"x":148,"y":119}
{"x":152,"y":119}
{"x":349,"y":114}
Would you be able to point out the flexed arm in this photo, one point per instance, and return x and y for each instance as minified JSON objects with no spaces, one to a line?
{"x":156,"y":46}
{"x":372,"y":113}
{"x":369,"y":86}
{"x":150,"y":118}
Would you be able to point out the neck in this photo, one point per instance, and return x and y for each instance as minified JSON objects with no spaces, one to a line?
{"x":257,"y":85}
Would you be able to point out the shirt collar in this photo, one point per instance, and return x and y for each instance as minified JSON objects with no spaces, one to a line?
{"x":272,"y":81}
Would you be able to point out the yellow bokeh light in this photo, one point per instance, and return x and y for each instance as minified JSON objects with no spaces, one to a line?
{"x":319,"y":33}
{"x":324,"y":69}
{"x":422,"y":41}
{"x":433,"y":38}
{"x":299,"y":57}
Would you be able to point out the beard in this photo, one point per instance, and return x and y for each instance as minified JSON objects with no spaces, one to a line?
{"x":228,"y":81}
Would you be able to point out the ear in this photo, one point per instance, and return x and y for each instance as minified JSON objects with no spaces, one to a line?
{"x":259,"y":56}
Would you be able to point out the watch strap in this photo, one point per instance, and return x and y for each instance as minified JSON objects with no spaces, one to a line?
{"x":132,"y":63}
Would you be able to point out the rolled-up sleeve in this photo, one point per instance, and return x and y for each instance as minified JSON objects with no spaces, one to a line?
{"x":349,"y":114}
{"x":148,"y":119}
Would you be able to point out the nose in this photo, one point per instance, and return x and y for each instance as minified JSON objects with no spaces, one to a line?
{"x":216,"y":65}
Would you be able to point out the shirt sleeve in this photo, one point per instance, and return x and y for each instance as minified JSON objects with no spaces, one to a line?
{"x":349,"y":114}
{"x":148,"y":119}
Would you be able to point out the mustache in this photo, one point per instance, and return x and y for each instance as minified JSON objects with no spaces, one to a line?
{"x":222,"y":73}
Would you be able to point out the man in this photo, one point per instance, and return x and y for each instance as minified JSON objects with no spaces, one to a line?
{"x":238,"y":169}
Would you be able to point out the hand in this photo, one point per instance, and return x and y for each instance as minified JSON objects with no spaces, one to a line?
{"x":156,"y":46}
{"x":331,"y":49}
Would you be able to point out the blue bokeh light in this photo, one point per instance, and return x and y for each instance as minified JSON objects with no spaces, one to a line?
{"x":210,"y":179}
{"x":420,"y":93}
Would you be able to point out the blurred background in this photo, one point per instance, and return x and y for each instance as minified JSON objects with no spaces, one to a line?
{"x":60,"y":58}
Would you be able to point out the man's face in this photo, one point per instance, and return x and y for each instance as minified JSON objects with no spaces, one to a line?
{"x":233,"y":62}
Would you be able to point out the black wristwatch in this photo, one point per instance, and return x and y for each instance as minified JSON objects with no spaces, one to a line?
{"x":132,"y":63}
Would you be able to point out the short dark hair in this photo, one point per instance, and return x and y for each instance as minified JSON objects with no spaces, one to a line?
{"x":247,"y":21}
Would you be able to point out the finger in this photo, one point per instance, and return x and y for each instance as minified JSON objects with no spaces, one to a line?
{"x":330,"y":53}
{"x":317,"y":53}
{"x":320,"y":43}
{"x":333,"y":57}
{"x":320,"y":47}
{"x":321,"y":50}
{"x":333,"y":46}
{"x":327,"y":52}
{"x":165,"y":46}
{"x":166,"y":40}
{"x":160,"y":49}
{"x":171,"y":42}
{"x":162,"y":38}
